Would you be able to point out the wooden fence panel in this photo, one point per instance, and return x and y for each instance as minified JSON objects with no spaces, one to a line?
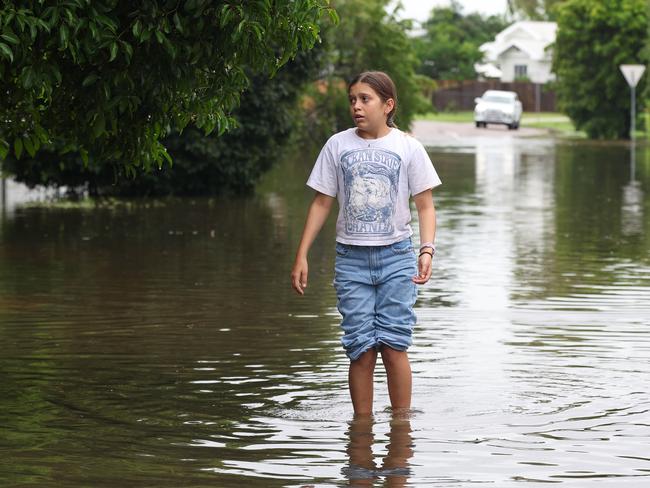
{"x":460,"y":95}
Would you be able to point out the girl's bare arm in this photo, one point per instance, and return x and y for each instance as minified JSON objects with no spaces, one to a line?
{"x":427,"y":222}
{"x":316,"y":216}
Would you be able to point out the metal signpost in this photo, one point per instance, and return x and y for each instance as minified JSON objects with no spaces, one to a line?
{"x":632,"y":73}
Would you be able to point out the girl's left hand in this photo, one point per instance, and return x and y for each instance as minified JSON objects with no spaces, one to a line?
{"x":424,"y":269}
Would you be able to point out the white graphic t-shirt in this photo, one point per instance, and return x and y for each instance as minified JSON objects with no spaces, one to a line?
{"x":373,"y":180}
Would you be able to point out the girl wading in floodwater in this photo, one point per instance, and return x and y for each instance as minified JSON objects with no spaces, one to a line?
{"x":373,"y":169}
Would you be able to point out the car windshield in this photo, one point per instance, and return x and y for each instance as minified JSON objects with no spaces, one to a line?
{"x":496,"y":99}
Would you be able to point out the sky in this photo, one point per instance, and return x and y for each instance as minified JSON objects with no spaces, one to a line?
{"x":420,"y":9}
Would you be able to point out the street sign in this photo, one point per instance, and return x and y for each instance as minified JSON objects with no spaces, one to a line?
{"x":632,"y":73}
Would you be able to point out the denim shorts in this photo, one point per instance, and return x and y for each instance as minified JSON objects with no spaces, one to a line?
{"x":375,"y":295}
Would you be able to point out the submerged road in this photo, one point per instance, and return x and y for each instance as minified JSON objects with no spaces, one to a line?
{"x":432,"y":133}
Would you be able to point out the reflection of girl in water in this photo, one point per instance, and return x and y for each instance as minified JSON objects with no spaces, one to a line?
{"x":362,"y":469}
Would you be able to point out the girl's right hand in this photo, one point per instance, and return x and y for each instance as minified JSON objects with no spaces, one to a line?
{"x":299,"y":275}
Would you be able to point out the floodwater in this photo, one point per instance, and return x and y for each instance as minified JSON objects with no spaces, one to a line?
{"x":160,"y":344}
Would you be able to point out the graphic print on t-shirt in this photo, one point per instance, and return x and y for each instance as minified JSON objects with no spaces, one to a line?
{"x":370,"y":178}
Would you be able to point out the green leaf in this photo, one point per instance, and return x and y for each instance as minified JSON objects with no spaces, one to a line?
{"x":6,"y":50}
{"x":57,"y":74}
{"x":100,"y":125}
{"x":63,"y":34}
{"x":9,"y":17}
{"x":11,"y":38}
{"x":169,"y":47}
{"x":226,"y":14}
{"x":84,"y":156}
{"x":108,"y":22}
{"x":29,"y":147}
{"x":137,"y":28}
{"x":44,"y":25}
{"x":93,"y":30}
{"x":165,"y":26}
{"x":129,"y":50}
{"x":35,"y":142}
{"x":21,"y":22}
{"x":4,"y":149}
{"x":28,"y":77}
{"x":334,"y":16}
{"x":167,"y":156}
{"x":90,"y":79}
{"x":18,"y":148}
{"x":113,"y":51}
{"x":41,"y":133}
{"x":177,"y":22}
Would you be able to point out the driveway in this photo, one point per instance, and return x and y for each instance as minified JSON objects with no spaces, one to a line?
{"x":432,"y":133}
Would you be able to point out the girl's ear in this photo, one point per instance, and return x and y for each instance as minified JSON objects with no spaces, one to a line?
{"x":390,"y":104}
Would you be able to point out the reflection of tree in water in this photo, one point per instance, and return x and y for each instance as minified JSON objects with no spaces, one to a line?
{"x":590,"y":215}
{"x":142,"y":324}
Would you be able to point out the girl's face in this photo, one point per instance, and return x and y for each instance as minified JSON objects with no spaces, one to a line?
{"x":368,"y":110}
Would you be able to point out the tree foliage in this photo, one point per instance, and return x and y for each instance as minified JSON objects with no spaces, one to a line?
{"x":368,"y":37}
{"x":109,"y":79}
{"x":646,"y":61}
{"x":534,"y":9}
{"x":203,"y":165}
{"x":595,"y":37}
{"x":450,"y":47}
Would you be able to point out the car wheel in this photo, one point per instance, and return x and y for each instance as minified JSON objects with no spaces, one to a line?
{"x":478,"y":125}
{"x":511,"y":126}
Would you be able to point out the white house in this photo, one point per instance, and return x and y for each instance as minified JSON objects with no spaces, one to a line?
{"x":521,"y":51}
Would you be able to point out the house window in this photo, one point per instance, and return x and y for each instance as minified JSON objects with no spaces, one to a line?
{"x":521,"y":71}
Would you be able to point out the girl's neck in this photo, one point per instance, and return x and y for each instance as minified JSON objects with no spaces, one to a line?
{"x":374,"y":133}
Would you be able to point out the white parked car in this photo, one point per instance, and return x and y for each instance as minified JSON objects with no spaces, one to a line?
{"x":498,"y":107}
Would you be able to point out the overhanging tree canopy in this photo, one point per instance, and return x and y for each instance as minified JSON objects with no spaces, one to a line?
{"x":111,"y":78}
{"x":534,"y":9}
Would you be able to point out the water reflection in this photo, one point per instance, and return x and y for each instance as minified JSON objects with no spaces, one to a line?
{"x":14,"y":194}
{"x":363,"y":468}
{"x":160,"y":343}
{"x":632,"y":209}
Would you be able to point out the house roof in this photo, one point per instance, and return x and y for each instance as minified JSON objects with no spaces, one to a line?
{"x":528,"y":36}
{"x":488,"y":70}
{"x":540,"y":31}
